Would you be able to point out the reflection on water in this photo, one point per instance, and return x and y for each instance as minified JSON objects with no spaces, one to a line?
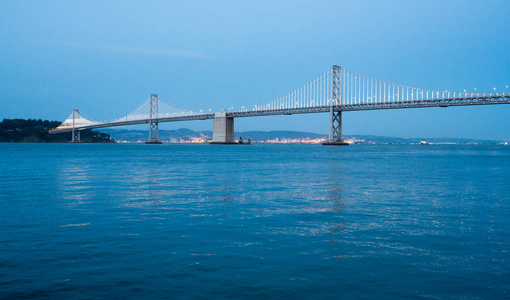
{"x":335,"y":195}
{"x":224,"y":187}
{"x":74,"y":183}
{"x":71,"y":225}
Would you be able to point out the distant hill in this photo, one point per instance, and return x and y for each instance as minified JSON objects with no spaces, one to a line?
{"x":164,"y":135}
{"x":36,"y":131}
{"x":273,"y":134}
{"x":184,"y":134}
{"x":187,"y":134}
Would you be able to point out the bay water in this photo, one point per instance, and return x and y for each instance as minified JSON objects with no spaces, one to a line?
{"x":121,"y":221}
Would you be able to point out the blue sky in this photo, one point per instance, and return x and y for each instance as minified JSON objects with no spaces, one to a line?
{"x":106,"y":57}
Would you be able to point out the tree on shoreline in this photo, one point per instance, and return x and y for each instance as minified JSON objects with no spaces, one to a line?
{"x":36,"y":131}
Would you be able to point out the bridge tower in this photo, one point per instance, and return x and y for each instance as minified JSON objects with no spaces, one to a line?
{"x":335,"y":114}
{"x":75,"y":138}
{"x":153,"y":121}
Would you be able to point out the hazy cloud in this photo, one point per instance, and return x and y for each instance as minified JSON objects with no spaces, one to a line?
{"x":140,"y":50}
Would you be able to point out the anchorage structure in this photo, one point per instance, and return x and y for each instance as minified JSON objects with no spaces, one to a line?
{"x":335,"y":90}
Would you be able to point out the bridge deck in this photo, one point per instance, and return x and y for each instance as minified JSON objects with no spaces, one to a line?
{"x":457,"y":101}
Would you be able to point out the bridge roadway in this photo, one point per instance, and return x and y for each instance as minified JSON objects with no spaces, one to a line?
{"x":445,"y":102}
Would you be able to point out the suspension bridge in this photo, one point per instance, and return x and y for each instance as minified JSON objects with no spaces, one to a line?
{"x":335,"y":90}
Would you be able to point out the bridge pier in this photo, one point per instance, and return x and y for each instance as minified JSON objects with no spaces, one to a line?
{"x":153,"y":122}
{"x":335,"y":130}
{"x":75,"y":138}
{"x":223,"y":130}
{"x":335,"y":115}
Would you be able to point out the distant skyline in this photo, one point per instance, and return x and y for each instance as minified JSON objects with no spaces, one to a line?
{"x":106,"y":57}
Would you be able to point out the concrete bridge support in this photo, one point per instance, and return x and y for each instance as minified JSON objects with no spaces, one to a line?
{"x":223,"y":130}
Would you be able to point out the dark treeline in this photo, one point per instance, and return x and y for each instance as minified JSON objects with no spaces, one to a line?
{"x":36,"y":131}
